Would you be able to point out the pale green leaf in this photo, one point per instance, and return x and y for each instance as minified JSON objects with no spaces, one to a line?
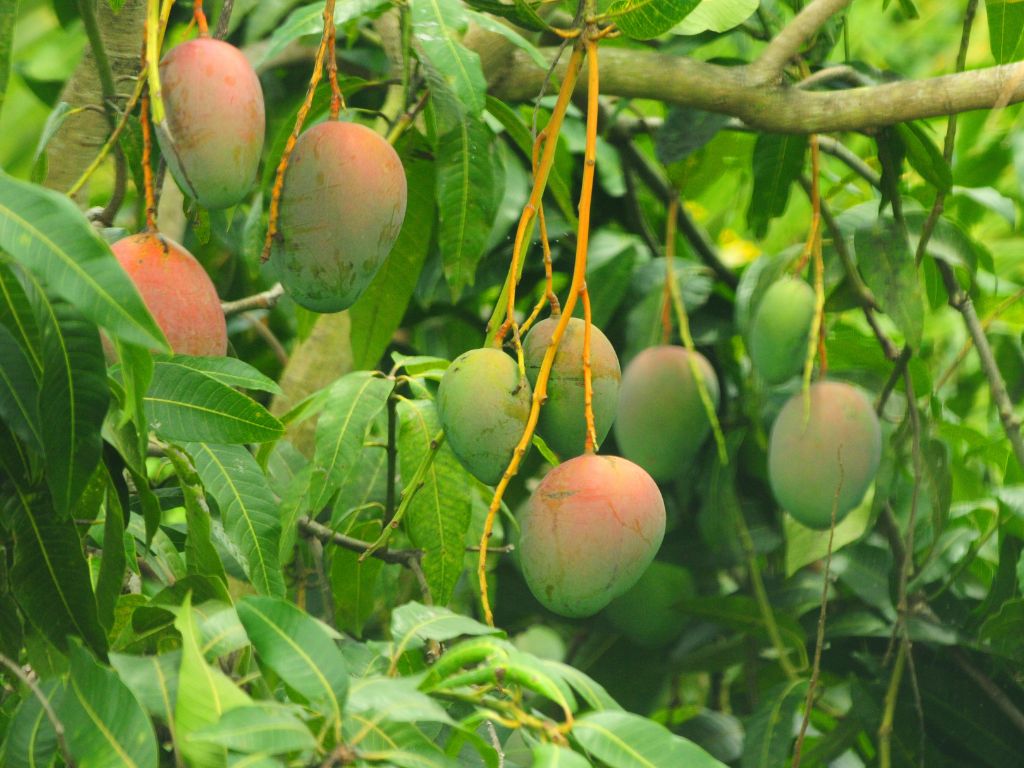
{"x":265,"y":728}
{"x":309,"y":20}
{"x":624,"y":740}
{"x":644,"y":19}
{"x":436,"y":27}
{"x":716,"y":16}
{"x":227,"y":370}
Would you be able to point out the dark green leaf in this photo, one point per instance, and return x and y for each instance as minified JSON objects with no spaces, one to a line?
{"x":522,"y":12}
{"x":1005,"y":28}
{"x":19,"y":390}
{"x":924,"y":157}
{"x":770,"y":729}
{"x":684,"y":131}
{"x":1004,"y":630}
{"x":309,"y":20}
{"x":200,"y":554}
{"x":354,"y":583}
{"x":227,"y":370}
{"x":31,"y":741}
{"x":436,"y":27}
{"x":153,"y":680}
{"x":644,"y":19}
{"x":887,"y":263}
{"x":46,"y":232}
{"x":778,"y":161}
{"x":113,"y":560}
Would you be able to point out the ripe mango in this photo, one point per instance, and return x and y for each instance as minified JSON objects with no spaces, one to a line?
{"x":215,"y":123}
{"x":781,"y":329}
{"x":562,"y":421}
{"x":588,"y":533}
{"x":837,"y":448}
{"x":177,"y":291}
{"x":342,"y":207}
{"x":661,"y":422}
{"x":484,"y":405}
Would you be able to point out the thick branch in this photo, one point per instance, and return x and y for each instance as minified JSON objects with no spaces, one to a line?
{"x":736,"y":91}
{"x":794,"y":36}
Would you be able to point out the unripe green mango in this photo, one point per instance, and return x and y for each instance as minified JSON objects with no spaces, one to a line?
{"x":838,"y":446}
{"x":562,"y":421}
{"x":781,"y":329}
{"x":342,"y":208}
{"x":484,"y":405}
{"x":213,"y":136}
{"x":649,"y":614}
{"x":661,"y":422}
{"x":589,"y":531}
{"x":177,"y":291}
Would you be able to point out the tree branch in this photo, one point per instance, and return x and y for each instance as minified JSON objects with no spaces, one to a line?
{"x":794,"y":36}
{"x":736,"y":91}
{"x":264,"y":300}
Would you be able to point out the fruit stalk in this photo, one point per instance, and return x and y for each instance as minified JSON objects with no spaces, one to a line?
{"x":578,"y":281}
{"x":200,"y":17}
{"x":337,"y":98}
{"x":816,"y":341}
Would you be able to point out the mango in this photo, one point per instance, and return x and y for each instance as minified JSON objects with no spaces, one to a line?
{"x":177,"y":291}
{"x":649,"y":613}
{"x":661,"y":422}
{"x":213,"y":134}
{"x":484,"y":405}
{"x":588,"y":533}
{"x":342,"y":207}
{"x":836,"y":449}
{"x":781,"y":329}
{"x":562,"y":421}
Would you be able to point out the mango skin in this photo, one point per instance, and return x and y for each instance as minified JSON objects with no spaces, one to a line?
{"x":483,"y":405}
{"x":649,"y":614}
{"x":342,"y":207}
{"x":562,"y":421}
{"x":781,"y":329}
{"x":177,"y":291}
{"x":588,"y":533}
{"x":215,"y":121}
{"x":661,"y":422}
{"x":804,"y":456}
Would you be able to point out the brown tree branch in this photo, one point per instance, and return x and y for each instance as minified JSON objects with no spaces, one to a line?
{"x":792,"y":38}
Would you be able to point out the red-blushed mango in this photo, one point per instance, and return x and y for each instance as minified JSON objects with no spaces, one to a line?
{"x":662,"y":422}
{"x":177,"y":291}
{"x":589,"y":531}
{"x":342,"y":207}
{"x":562,"y":421}
{"x":781,"y":329}
{"x":215,"y":123}
{"x":649,"y":613}
{"x":484,"y":404}
{"x":834,"y":447}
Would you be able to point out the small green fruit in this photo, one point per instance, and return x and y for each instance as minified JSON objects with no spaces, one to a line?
{"x":649,"y":614}
{"x":781,"y":329}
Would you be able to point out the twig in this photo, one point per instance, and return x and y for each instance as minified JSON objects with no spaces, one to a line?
{"x":392,"y":459}
{"x":788,"y":42}
{"x":224,"y":20}
{"x":899,"y":365}
{"x":496,"y":743}
{"x":310,"y":527}
{"x":264,"y":300}
{"x":993,"y":691}
{"x":830,"y":74}
{"x":51,"y":715}
{"x":889,"y":710}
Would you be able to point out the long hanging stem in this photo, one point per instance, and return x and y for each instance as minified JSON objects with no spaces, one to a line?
{"x":337,"y":97}
{"x":578,"y":281}
{"x":590,"y":442}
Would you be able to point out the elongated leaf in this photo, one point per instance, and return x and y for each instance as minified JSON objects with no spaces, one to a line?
{"x":925,"y":157}
{"x":686,"y":130}
{"x":551,"y":756}
{"x":413,"y":624}
{"x":50,"y":578}
{"x":770,"y":729}
{"x":17,"y":314}
{"x":353,"y":583}
{"x":778,"y":160}
{"x":228,"y":370}
{"x":436,"y":27}
{"x":492,"y":25}
{"x":153,"y":680}
{"x":200,"y":554}
{"x":204,"y":694}
{"x":353,"y":403}
{"x":247,"y":507}
{"x":440,"y":512}
{"x":43,"y":230}
{"x":31,"y":741}
{"x":186,"y":404}
{"x":19,"y":390}
{"x":717,"y":16}
{"x":113,"y":561}
{"x":309,"y":20}
{"x":1005,"y":28}
{"x":299,"y":649}
{"x":265,"y":728}
{"x":522,"y":12}
{"x":887,"y":263}
{"x":104,"y":723}
{"x":6,"y":46}
{"x":624,"y":740}
{"x":377,"y":314}
{"x":395,"y":699}
{"x":644,"y":19}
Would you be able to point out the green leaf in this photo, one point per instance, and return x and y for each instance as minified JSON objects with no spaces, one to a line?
{"x":521,"y":12}
{"x":110,"y":581}
{"x":1004,"y":630}
{"x":380,"y":310}
{"x":266,"y":728}
{"x":924,"y":157}
{"x":6,"y":47}
{"x":16,"y":312}
{"x":1005,"y":28}
{"x":103,"y":722}
{"x":716,"y":16}
{"x":227,"y":370}
{"x":200,"y":554}
{"x":624,"y":740}
{"x":247,"y":507}
{"x":46,"y":232}
{"x":551,"y":756}
{"x":186,"y":404}
{"x":395,"y":700}
{"x":807,"y":545}
{"x":353,"y":583}
{"x":50,"y":578}
{"x":19,"y":390}
{"x":353,"y":402}
{"x":413,"y":624}
{"x":644,"y":19}
{"x":31,"y":741}
{"x":309,"y":20}
{"x":436,"y":28}
{"x":204,"y":694}
{"x":402,"y":745}
{"x":770,"y":728}
{"x":492,"y":25}
{"x":887,"y":264}
{"x":778,"y":161}
{"x":684,"y":131}
{"x":440,"y":512}
{"x":300,"y":650}
{"x":153,"y":680}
